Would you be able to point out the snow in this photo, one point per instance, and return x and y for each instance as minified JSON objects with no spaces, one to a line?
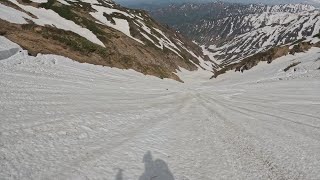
{"x":6,"y":44}
{"x":64,"y":120}
{"x":163,"y":41}
{"x":12,"y":15}
{"x":46,"y":17}
{"x":121,"y":25}
{"x":91,"y":1}
{"x":102,"y":9}
{"x":202,"y":63}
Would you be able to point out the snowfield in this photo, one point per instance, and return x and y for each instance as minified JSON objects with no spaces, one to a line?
{"x":64,"y":120}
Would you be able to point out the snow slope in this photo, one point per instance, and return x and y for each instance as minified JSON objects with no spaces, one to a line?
{"x":65,"y":120}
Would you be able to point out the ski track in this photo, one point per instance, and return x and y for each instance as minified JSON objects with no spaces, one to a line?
{"x":65,"y":120}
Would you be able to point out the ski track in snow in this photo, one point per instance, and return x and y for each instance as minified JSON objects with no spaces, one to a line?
{"x":65,"y":120}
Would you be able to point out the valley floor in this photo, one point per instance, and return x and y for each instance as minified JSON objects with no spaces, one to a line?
{"x":65,"y":120}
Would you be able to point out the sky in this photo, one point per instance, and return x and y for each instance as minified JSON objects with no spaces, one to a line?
{"x":313,"y":2}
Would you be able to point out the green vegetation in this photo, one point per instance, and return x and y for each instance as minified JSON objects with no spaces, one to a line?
{"x":26,"y":1}
{"x":27,"y":26}
{"x":156,"y":69}
{"x":92,"y":26}
{"x":48,"y":4}
{"x":70,"y":39}
{"x":63,"y":10}
{"x":74,"y":41}
{"x":109,"y":18}
{"x":67,"y":13}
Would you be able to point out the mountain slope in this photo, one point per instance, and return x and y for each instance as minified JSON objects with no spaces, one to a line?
{"x":99,"y":32}
{"x":232,"y":32}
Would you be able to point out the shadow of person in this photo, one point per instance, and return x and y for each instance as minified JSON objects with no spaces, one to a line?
{"x":119,"y":175}
{"x":155,"y":169}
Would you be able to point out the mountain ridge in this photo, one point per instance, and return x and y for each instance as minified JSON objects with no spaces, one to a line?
{"x":232,"y":32}
{"x":99,"y":32}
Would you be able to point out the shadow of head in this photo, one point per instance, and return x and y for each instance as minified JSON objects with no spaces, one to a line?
{"x":155,"y":169}
{"x":119,"y":175}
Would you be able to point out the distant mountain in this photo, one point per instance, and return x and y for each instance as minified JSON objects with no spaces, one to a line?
{"x":231,"y":32}
{"x":151,"y":4}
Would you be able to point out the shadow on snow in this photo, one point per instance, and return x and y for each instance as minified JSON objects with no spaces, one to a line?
{"x":153,"y":169}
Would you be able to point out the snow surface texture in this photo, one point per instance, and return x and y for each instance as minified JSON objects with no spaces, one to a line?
{"x":64,"y":120}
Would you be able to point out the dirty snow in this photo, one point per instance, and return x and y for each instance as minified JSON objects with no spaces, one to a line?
{"x":65,"y":120}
